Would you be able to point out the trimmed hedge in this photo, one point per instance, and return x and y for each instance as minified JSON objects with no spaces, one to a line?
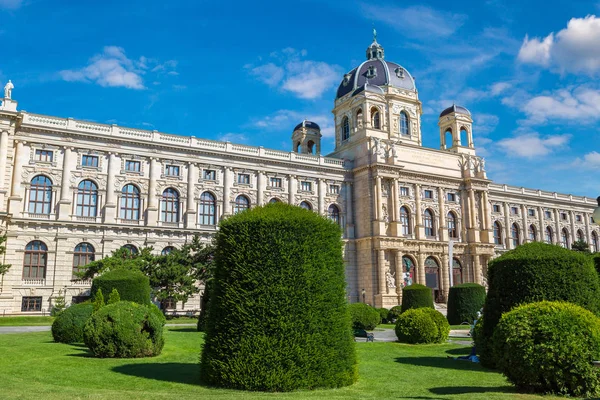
{"x":394,"y":313}
{"x":125,"y":330}
{"x":548,"y":347}
{"x":383,"y":313}
{"x":418,"y":325}
{"x":131,"y":285}
{"x":535,"y":272}
{"x":464,"y":302}
{"x":596,"y":259}
{"x":441,"y":322}
{"x":68,"y":326}
{"x":278,"y":319}
{"x":363,"y":316}
{"x":416,"y":296}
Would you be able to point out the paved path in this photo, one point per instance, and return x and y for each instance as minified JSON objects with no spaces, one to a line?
{"x":27,"y":329}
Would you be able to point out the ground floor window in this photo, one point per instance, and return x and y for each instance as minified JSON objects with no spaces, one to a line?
{"x":31,"y":303}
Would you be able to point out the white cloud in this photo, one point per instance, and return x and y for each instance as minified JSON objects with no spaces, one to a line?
{"x":416,"y":21}
{"x":306,"y":79}
{"x":574,"y":49}
{"x":532,"y":145}
{"x":580,"y":104}
{"x":499,"y":88}
{"x":589,"y":161}
{"x":233,"y":137}
{"x":484,"y":123}
{"x":11,"y":4}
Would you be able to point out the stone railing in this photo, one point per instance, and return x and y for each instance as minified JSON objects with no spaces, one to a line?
{"x":540,"y":194}
{"x":33,"y":282}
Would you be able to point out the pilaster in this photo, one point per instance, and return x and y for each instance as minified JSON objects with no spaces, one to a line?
{"x":152,"y":210}
{"x":16,"y":193}
{"x":190,"y":213}
{"x":110,"y":208}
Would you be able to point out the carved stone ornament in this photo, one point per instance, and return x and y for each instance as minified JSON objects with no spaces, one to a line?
{"x":390,"y":279}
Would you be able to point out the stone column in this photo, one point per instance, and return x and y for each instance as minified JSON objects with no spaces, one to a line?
{"x":420,"y":269}
{"x":260,"y":187}
{"x":419,"y":233}
{"x":3,"y":157}
{"x":16,"y":192}
{"x":399,"y":276}
{"x":395,"y":211}
{"x":152,"y":210}
{"x":445,"y":278}
{"x":349,"y":209}
{"x":443,"y":231}
{"x":507,"y":241}
{"x":573,"y":230}
{"x":64,"y":204}
{"x":541,"y":235}
{"x":321,"y":192}
{"x":476,"y":269}
{"x":525,"y":221}
{"x":381,"y":283}
{"x":190,"y":213}
{"x":227,"y":181}
{"x":111,"y":198}
{"x":292,"y":187}
{"x":377,"y":202}
{"x":558,"y":233}
{"x":588,"y":232}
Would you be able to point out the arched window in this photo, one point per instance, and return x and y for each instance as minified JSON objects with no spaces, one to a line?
{"x":375,"y":119}
{"x":580,"y":235}
{"x":83,"y":254}
{"x":408,"y":270}
{"x":167,"y":250}
{"x":40,"y":195}
{"x":564,"y":238}
{"x":274,"y":200}
{"x":359,"y":118}
{"x":345,"y":128}
{"x":404,"y":123}
{"x":208,"y":209}
{"x":306,"y":205}
{"x":130,"y":202}
{"x":497,"y":233}
{"x":35,"y":260}
{"x":452,"y":231}
{"x":310,"y":146}
{"x":515,"y":235}
{"x":463,"y":136}
{"x":532,"y":234}
{"x":87,"y":199}
{"x":241,"y":204}
{"x":548,"y":235}
{"x":405,"y":221}
{"x":428,"y":223}
{"x":333,"y":213}
{"x":131,"y":249}
{"x":432,"y":270}
{"x":448,"y":138}
{"x":595,"y":243}
{"x":169,"y":206}
{"x":457,"y":278}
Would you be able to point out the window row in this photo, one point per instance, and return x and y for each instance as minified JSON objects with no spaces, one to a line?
{"x":531,"y":212}
{"x":429,"y":223}
{"x":428,"y":194}
{"x":548,"y":236}
{"x":376,"y":122}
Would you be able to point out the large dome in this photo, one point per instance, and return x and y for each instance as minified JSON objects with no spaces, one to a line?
{"x":375,"y":72}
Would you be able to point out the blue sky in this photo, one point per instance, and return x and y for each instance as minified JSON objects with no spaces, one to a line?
{"x":248,"y":72}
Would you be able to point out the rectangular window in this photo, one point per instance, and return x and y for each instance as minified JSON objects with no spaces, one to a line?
{"x":210,"y":174}
{"x":276,"y":182}
{"x":451,"y":196}
{"x":133,"y":166}
{"x":429,"y":194}
{"x":578,"y":218}
{"x":334,"y":189}
{"x":44,"y":155}
{"x":531,"y":212}
{"x":514,"y":210}
{"x":89,"y":161}
{"x":564,"y":216}
{"x":404,"y":191}
{"x":31,"y":303}
{"x":306,"y":186}
{"x":172,"y":170}
{"x":496,"y":208}
{"x":244,"y":179}
{"x":548,"y":214}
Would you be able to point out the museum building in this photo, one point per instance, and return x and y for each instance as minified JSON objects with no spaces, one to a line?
{"x":72,"y":191}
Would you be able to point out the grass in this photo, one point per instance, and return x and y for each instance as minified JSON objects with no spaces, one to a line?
{"x":34,"y":367}
{"x":183,"y":320}
{"x":26,"y":321}
{"x":453,"y":327}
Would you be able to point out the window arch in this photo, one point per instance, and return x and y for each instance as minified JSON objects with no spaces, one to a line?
{"x":448,"y":138}
{"x":310,"y":146}
{"x":405,"y":221}
{"x":375,"y":118}
{"x":169,"y":206}
{"x":515,"y":235}
{"x":404,"y":125}
{"x":457,"y":277}
{"x":463,"y":136}
{"x":298,"y":146}
{"x":333,"y":213}
{"x":408,"y":270}
{"x":167,"y":250}
{"x":428,"y":223}
{"x":133,"y":251}
{"x":83,"y":254}
{"x":452,"y":231}
{"x":548,"y":235}
{"x":532,"y":233}
{"x":432,"y":269}
{"x":359,"y":118}
{"x":35,"y":260}
{"x":345,"y":128}
{"x":274,"y":200}
{"x":564,"y":238}
{"x":40,"y":195}
{"x":208,"y":209}
{"x":130,"y":202}
{"x":580,"y":236}
{"x":241,"y":204}
{"x":595,"y":243}
{"x":306,"y":205}
{"x":497,"y":233}
{"x":87,"y":199}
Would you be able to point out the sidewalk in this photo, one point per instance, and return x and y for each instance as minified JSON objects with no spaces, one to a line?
{"x":28,"y":329}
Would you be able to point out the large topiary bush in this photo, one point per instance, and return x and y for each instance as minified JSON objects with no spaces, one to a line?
{"x":363,"y":316}
{"x":548,"y":347}
{"x":416,"y":296}
{"x":417,"y":325}
{"x":278,"y":318}
{"x":68,"y":326}
{"x":534,"y":272}
{"x":131,"y":285}
{"x":441,"y":322}
{"x":464,"y":302}
{"x":125,"y":330}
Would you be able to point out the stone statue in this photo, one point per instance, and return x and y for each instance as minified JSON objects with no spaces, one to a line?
{"x":390,"y":279}
{"x":481,"y":164}
{"x":8,"y":90}
{"x":391,"y":150}
{"x":378,"y":148}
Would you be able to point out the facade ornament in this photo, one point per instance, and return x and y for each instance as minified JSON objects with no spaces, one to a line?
{"x":391,"y":150}
{"x":8,"y":90}
{"x":390,"y":279}
{"x":481,"y":164}
{"x":379,"y":150}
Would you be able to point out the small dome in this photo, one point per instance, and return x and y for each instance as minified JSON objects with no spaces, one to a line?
{"x":307,"y":124}
{"x":455,"y":109}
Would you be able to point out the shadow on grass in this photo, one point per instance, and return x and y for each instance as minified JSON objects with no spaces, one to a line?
{"x":175,"y":329}
{"x":463,"y":351}
{"x":169,"y":372}
{"x":443,"y":362}
{"x":446,"y":390}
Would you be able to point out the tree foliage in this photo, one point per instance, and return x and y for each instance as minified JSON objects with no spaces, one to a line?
{"x":581,"y":245}
{"x":3,"y":267}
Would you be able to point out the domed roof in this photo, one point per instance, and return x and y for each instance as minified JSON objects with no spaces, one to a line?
{"x":375,"y":72}
{"x":455,"y":109}
{"x":307,"y":124}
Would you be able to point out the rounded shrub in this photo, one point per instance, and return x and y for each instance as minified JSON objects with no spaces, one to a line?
{"x":131,"y":285}
{"x":416,"y":326}
{"x":464,"y":302}
{"x":416,"y":296}
{"x":278,"y":319}
{"x":68,"y":326}
{"x":535,"y":272}
{"x":441,"y":322}
{"x":364,"y":316}
{"x":548,"y":347}
{"x":124,"y":330}
{"x":383,"y":313}
{"x":394,"y":313}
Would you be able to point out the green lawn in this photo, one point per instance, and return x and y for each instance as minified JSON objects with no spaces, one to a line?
{"x":454,"y":327}
{"x":26,"y":321}
{"x":183,"y":320}
{"x":34,"y":367}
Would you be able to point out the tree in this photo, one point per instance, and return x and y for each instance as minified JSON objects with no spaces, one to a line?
{"x":98,"y":300}
{"x":3,"y":267}
{"x":113,"y":297}
{"x":119,"y":259}
{"x":581,"y":245}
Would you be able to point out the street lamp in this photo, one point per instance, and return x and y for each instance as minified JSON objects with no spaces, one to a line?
{"x":596,"y":213}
